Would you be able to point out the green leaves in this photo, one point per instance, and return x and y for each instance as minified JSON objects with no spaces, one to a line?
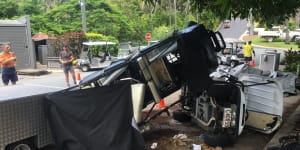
{"x":267,"y":11}
{"x":8,"y":9}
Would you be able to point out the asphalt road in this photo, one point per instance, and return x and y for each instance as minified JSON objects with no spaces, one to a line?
{"x":55,"y":79}
{"x":237,"y":28}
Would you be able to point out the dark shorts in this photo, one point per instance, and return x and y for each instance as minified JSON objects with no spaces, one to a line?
{"x":68,"y":68}
{"x":248,"y":58}
{"x":9,"y":74}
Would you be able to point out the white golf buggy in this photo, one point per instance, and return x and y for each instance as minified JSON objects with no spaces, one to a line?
{"x":232,"y":55}
{"x":93,"y":58}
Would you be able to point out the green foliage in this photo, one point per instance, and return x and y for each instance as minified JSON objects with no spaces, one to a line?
{"x":99,"y":37}
{"x":292,"y":59}
{"x":94,"y":36}
{"x":72,"y":39}
{"x":292,"y":25}
{"x":126,"y":20}
{"x":208,"y":19}
{"x":8,"y":9}
{"x":279,"y":43}
{"x":266,"y":11}
{"x":160,"y":33}
{"x":30,"y":9}
{"x":101,"y":18}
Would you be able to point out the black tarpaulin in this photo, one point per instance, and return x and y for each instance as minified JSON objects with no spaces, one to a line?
{"x":93,"y":119}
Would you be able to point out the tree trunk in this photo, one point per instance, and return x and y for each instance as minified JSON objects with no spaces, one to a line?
{"x":287,"y":33}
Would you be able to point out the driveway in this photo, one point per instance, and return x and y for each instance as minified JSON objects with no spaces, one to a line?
{"x":237,"y":28}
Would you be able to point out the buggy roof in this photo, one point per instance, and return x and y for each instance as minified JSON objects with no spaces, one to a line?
{"x":98,"y":43}
{"x":233,"y":40}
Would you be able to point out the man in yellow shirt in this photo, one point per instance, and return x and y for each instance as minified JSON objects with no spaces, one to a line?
{"x":248,"y":50}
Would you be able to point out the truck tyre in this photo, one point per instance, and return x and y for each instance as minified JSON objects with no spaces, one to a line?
{"x":219,"y":60}
{"x":85,"y":68}
{"x":270,"y":39}
{"x":181,"y":116}
{"x":218,"y":140}
{"x":22,"y":145}
{"x":233,"y":63}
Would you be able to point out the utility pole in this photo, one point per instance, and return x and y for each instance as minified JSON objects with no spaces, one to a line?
{"x":175,"y":10}
{"x":297,"y":17}
{"x":82,"y":4}
{"x":170,"y":10}
{"x":250,"y":24}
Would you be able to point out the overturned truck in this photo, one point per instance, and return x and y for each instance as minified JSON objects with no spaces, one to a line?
{"x":184,"y":62}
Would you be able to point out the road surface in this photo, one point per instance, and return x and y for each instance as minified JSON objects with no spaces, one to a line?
{"x":237,"y":28}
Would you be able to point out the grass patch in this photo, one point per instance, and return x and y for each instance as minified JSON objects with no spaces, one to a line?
{"x":276,"y":43}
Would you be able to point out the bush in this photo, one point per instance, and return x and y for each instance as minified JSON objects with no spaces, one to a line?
{"x":292,"y":59}
{"x":72,"y":39}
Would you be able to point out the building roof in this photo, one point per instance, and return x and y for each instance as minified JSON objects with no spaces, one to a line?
{"x":19,"y":22}
{"x":40,"y":36}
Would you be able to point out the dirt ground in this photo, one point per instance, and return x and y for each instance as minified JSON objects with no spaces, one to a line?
{"x":163,"y":129}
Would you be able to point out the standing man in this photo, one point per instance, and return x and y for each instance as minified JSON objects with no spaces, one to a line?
{"x":66,"y":58}
{"x":248,"y":50}
{"x":8,"y":64}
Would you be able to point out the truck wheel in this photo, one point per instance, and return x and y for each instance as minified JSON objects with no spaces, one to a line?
{"x":180,"y":116}
{"x":270,"y":39}
{"x":22,"y":145}
{"x":85,"y":68}
{"x":233,"y":64}
{"x":218,"y":140}
{"x":219,"y":60}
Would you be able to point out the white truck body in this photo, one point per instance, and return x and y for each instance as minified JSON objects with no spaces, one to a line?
{"x":277,"y":33}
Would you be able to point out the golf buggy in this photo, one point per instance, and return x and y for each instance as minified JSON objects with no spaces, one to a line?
{"x":183,"y":62}
{"x":232,"y":55}
{"x":96,"y":55}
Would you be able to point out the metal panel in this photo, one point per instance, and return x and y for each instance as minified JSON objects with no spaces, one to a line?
{"x":43,"y":54}
{"x":22,"y":115}
{"x":23,"y":118}
{"x":266,"y":98}
{"x":16,"y":37}
{"x":19,"y":36}
{"x":269,"y":61}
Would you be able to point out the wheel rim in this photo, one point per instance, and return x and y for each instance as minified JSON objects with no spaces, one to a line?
{"x":85,"y":68}
{"x":22,"y":147}
{"x":232,"y":64}
{"x":219,"y":61}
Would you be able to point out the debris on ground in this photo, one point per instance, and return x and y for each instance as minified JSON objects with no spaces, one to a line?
{"x":154,"y":145}
{"x":196,"y":147}
{"x":180,"y":139}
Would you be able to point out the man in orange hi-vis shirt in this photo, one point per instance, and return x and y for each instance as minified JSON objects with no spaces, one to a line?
{"x":8,"y":63}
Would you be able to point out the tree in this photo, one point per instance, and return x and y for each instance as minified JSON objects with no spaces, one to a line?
{"x":8,"y":9}
{"x":267,"y":11}
{"x":30,"y":9}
